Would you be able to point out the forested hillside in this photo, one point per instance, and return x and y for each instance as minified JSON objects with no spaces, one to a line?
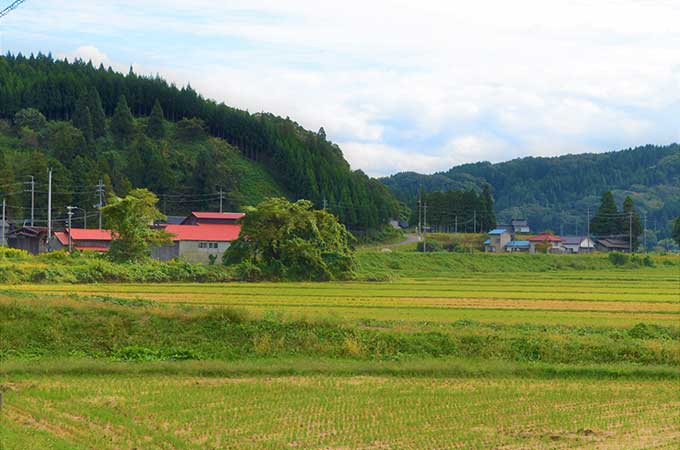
{"x":304,"y":164}
{"x":555,"y":193}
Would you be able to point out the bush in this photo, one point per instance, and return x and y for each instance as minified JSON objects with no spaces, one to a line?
{"x":429,"y":246}
{"x":247,"y":271}
{"x":618,"y":259}
{"x":13,"y":254}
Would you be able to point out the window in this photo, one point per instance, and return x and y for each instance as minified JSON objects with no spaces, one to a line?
{"x":208,"y":245}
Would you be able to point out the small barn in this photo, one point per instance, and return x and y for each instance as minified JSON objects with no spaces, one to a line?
{"x":83,"y":239}
{"x":31,"y":239}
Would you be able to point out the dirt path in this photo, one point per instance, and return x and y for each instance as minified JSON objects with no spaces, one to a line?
{"x":410,"y":238}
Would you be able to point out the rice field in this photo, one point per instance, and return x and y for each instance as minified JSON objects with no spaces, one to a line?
{"x":308,"y":375}
{"x":574,"y":298}
{"x":314,"y":412}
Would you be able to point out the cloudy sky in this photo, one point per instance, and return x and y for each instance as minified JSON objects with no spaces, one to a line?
{"x":400,"y":85}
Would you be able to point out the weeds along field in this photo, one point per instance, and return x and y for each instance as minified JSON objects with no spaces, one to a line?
{"x":566,"y":357}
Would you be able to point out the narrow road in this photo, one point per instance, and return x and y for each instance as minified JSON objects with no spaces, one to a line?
{"x":410,"y":238}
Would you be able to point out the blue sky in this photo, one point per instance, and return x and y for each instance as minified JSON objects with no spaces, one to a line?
{"x":400,"y":85}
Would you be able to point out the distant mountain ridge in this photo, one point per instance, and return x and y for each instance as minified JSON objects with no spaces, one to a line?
{"x":556,"y":192}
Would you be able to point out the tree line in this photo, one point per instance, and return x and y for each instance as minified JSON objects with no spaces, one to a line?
{"x":305,"y":163}
{"x":464,"y":211}
{"x":610,"y":222}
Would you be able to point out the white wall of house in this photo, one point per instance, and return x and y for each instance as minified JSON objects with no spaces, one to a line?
{"x":200,"y":251}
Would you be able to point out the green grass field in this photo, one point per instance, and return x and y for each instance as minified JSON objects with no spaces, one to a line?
{"x":563,"y":358}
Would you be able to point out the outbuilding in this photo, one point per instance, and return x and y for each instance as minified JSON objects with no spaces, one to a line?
{"x":31,"y":239}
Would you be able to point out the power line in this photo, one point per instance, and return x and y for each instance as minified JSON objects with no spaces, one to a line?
{"x":11,"y":7}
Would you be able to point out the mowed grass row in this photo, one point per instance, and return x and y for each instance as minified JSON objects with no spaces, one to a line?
{"x":314,"y":412}
{"x":39,"y":326}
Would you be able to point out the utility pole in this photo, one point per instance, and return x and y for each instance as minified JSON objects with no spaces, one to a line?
{"x":2,"y":239}
{"x":100,"y":202}
{"x":221,"y":197}
{"x":419,"y":229}
{"x":474,"y":221}
{"x":588,"y":226}
{"x":425,"y":227}
{"x":644,"y":231}
{"x":325,"y":203}
{"x":630,"y":232}
{"x":84,"y":218}
{"x":49,"y":204}
{"x":69,"y":212}
{"x":456,"y":221}
{"x":32,"y":183}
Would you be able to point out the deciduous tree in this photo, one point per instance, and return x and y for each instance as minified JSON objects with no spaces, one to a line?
{"x":129,"y":219}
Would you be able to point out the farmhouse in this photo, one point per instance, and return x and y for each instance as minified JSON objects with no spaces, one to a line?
{"x":497,"y":241}
{"x":197,"y":243}
{"x":612,"y":245}
{"x":578,"y":244}
{"x":518,"y":246}
{"x":521,"y":226}
{"x":552,"y":243}
{"x":517,"y":226}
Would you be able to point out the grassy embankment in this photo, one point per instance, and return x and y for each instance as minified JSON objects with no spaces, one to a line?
{"x":17,"y":267}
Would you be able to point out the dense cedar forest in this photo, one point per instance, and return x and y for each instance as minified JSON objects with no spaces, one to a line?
{"x":103,"y":124}
{"x":464,"y":211}
{"x":556,"y":193}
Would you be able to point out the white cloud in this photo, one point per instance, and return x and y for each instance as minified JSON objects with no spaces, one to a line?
{"x":88,"y":53}
{"x":403,"y":85}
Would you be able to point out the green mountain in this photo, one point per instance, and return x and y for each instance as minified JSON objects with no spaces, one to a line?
{"x":141,"y":131}
{"x":556,"y":193}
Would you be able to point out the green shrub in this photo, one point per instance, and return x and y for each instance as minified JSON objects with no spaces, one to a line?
{"x":429,"y":246}
{"x":14,"y":254}
{"x":618,"y":259}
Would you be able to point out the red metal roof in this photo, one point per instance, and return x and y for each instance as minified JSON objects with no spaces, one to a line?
{"x":204,"y":232}
{"x":545,"y":237}
{"x":82,"y":234}
{"x":217,"y":215}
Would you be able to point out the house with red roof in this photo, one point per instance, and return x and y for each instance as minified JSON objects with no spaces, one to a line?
{"x":197,"y":243}
{"x":552,"y":243}
{"x":83,"y":239}
{"x":199,"y":238}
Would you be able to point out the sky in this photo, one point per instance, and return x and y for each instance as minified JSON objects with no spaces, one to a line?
{"x":399,"y":85}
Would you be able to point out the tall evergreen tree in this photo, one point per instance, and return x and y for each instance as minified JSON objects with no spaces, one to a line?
{"x":676,"y":230}
{"x":122,"y":123}
{"x":631,"y":222}
{"x":488,"y":217}
{"x":96,"y":113}
{"x":82,"y":118}
{"x":155,"y":128}
{"x":607,"y":221}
